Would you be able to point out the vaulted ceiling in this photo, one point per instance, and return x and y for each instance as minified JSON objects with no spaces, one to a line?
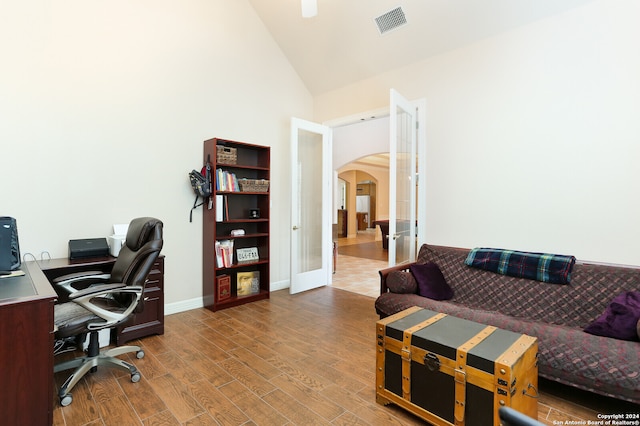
{"x":342,"y":44}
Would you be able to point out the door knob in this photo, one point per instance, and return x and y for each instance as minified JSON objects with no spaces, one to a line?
{"x":295,"y":228}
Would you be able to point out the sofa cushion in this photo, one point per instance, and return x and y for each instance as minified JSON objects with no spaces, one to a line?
{"x":402,"y":282}
{"x":620,"y":318}
{"x":431,"y":282}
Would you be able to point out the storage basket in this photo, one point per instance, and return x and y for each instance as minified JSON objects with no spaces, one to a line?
{"x":254,"y":185}
{"x":226,"y":155}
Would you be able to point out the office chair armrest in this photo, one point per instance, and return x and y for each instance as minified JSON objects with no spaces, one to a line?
{"x":96,"y":290}
{"x":87,"y":278}
{"x":76,"y":275}
{"x":84,"y":299}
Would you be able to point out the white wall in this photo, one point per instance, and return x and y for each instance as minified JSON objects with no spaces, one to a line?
{"x":532,"y":136}
{"x":104,"y":107}
{"x":359,"y":140}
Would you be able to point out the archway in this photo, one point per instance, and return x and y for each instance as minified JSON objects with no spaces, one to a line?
{"x":365,"y":200}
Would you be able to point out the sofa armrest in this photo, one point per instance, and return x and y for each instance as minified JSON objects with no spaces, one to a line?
{"x":385,"y":272}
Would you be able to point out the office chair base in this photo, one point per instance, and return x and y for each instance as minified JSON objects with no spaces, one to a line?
{"x":86,"y":364}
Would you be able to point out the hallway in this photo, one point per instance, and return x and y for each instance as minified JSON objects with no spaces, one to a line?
{"x":358,"y":262}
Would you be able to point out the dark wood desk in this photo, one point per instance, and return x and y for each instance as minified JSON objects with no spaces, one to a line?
{"x":27,"y":332}
{"x":26,"y":348}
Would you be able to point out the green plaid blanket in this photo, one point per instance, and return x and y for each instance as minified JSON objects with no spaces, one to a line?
{"x":549,"y":268}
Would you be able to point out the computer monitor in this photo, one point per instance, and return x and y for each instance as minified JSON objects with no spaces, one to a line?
{"x":9,"y":248}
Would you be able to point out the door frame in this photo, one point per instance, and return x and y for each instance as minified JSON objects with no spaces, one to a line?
{"x":421,"y":145}
{"x":320,"y":277}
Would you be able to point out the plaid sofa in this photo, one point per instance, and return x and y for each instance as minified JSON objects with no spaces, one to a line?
{"x":555,"y":314}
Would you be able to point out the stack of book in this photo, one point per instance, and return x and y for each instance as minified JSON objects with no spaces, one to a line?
{"x":222,"y":208}
{"x":224,"y":253}
{"x":226,"y":181}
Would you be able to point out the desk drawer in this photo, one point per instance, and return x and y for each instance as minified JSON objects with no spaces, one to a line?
{"x":151,"y":319}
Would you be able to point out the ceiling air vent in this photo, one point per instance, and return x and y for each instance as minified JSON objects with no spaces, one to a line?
{"x":391,"y":20}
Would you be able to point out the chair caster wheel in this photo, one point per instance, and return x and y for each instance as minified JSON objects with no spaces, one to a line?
{"x":135,"y":377}
{"x":66,"y":400}
{"x":140,"y":354}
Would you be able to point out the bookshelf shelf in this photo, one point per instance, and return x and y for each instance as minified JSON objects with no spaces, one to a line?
{"x":238,"y":237}
{"x":245,"y":221}
{"x":233,"y":209}
{"x":242,"y":265}
{"x":241,"y":300}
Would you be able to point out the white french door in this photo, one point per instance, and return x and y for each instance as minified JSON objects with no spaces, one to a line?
{"x":311,"y":203}
{"x":402,"y":180}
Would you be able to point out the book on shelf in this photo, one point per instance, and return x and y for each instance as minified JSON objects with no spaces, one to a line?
{"x":226,"y":181}
{"x":224,"y":287}
{"x":224,"y":253}
{"x":222,"y":208}
{"x":248,"y":283}
{"x":219,"y":208}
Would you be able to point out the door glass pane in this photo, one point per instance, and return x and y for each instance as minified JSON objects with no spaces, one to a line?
{"x":404,"y":186}
{"x":309,"y":209}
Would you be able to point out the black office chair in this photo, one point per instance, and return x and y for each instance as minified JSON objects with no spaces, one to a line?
{"x":106,"y":301}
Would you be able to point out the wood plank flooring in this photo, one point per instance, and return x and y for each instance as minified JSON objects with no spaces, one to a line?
{"x":371,"y":250}
{"x":293,"y":359}
{"x":366,"y":244}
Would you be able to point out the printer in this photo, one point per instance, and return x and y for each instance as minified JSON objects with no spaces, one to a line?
{"x":116,"y":241}
{"x":88,"y":247}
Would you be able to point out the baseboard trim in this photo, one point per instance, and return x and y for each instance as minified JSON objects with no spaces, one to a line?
{"x":183,"y":305}
{"x":198,"y":302}
{"x":279,"y":285}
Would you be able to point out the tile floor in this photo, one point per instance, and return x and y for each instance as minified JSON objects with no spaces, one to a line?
{"x":358,"y":274}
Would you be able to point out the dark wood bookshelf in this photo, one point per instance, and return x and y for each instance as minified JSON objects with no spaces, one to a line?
{"x":250,"y":162}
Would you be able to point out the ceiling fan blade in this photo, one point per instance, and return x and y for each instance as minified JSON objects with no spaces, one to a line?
{"x":309,"y":8}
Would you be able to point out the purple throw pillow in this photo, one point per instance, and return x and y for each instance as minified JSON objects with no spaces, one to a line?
{"x":431,"y":282}
{"x":620,"y":318}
